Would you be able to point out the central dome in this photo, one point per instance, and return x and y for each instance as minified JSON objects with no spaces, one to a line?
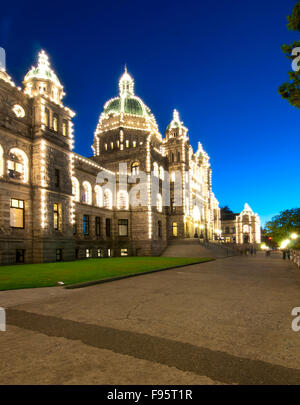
{"x":127,"y":102}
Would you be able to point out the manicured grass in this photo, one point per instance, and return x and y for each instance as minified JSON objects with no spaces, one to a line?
{"x":48,"y":274}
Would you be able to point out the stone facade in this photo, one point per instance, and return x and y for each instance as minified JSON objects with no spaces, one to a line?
{"x":52,"y":206}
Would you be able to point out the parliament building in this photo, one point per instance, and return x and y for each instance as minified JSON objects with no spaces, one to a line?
{"x":52,"y":205}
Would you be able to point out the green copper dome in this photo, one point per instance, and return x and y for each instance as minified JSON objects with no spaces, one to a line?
{"x":128,"y":105}
{"x":133,"y":106}
{"x":113,"y":106}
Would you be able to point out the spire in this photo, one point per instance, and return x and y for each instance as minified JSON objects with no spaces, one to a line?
{"x":43,"y":60}
{"x":176,"y":116}
{"x":126,"y":84}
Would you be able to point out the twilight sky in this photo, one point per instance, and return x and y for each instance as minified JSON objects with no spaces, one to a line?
{"x":218,"y":62}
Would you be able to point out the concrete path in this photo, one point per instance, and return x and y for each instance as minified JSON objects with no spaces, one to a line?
{"x":192,"y":248}
{"x":222,"y":322}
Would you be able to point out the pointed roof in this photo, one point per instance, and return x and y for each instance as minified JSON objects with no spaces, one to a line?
{"x":176,"y":123}
{"x":43,"y":70}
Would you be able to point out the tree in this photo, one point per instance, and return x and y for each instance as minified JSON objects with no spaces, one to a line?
{"x":226,"y":213}
{"x":291,"y":89}
{"x":283,"y":225}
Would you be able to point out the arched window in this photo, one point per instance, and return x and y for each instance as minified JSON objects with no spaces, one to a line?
{"x":18,"y":165}
{"x":75,"y":188}
{"x":159,"y":205}
{"x":135,"y":168}
{"x":87,"y":192}
{"x":1,"y":162}
{"x":55,"y":122}
{"x":161,"y":173}
{"x":122,"y":200}
{"x":99,"y":196}
{"x":155,"y":169}
{"x":107,"y":199}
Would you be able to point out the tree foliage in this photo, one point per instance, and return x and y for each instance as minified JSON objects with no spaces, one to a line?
{"x":226,"y":212}
{"x":290,"y":90}
{"x":283,"y":225}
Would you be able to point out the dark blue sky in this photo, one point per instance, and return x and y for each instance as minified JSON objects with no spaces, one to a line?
{"x":218,"y":62}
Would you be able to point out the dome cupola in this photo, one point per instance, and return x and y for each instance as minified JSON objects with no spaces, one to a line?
{"x":41,"y":79}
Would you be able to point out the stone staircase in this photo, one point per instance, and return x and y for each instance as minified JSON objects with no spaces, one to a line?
{"x":192,"y":247}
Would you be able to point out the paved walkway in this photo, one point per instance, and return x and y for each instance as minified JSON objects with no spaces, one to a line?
{"x":222,"y":322}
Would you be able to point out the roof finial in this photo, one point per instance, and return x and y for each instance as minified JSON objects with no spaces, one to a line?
{"x":125,"y":69}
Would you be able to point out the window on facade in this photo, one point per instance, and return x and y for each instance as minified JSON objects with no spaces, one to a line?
{"x":107,"y":199}
{"x":134,"y":144}
{"x":172,"y":157}
{"x":172,"y":205}
{"x":75,"y":228}
{"x":122,"y":200}
{"x":55,"y":122}
{"x":233,"y":230}
{"x":127,"y":143}
{"x":58,"y":255}
{"x":159,"y":229}
{"x":124,"y":252}
{"x":111,"y":145}
{"x":246,"y":228}
{"x":159,"y":204}
{"x":99,"y":253}
{"x":97,"y":226}
{"x":47,"y":117}
{"x":109,"y":252}
{"x":135,"y":168}
{"x":178,"y":156}
{"x":174,"y":229}
{"x":16,"y":213}
{"x":123,"y":227}
{"x":18,"y":165}
{"x":105,"y":146}
{"x":107,"y":226}
{"x":99,"y":196}
{"x":20,"y":256}
{"x":56,"y":177}
{"x":88,"y":253}
{"x":227,"y":229}
{"x":57,"y":217}
{"x":65,"y":128}
{"x":86,"y":192}
{"x":155,"y":169}
{"x":86,"y":224}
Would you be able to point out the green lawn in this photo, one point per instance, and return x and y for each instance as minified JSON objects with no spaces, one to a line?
{"x":48,"y":274}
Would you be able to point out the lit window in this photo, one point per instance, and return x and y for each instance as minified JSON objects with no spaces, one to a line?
{"x":55,"y":122}
{"x":99,"y":253}
{"x":122,"y":200}
{"x":134,"y":144}
{"x":18,"y":165}
{"x":57,"y":220}
{"x":109,"y":252}
{"x":246,"y":228}
{"x":127,"y":144}
{"x":105,"y":146}
{"x":111,"y":145}
{"x":123,"y":227}
{"x":88,"y":253}
{"x":174,"y":229}
{"x":118,"y":144}
{"x":87,"y":192}
{"x":65,"y":128}
{"x":107,"y":199}
{"x":47,"y":117}
{"x":124,"y":252}
{"x":16,"y":213}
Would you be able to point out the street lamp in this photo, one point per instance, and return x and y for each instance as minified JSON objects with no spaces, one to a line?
{"x":284,"y":244}
{"x":294,"y":235}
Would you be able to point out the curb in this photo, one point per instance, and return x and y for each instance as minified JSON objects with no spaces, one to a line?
{"x":108,"y":280}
